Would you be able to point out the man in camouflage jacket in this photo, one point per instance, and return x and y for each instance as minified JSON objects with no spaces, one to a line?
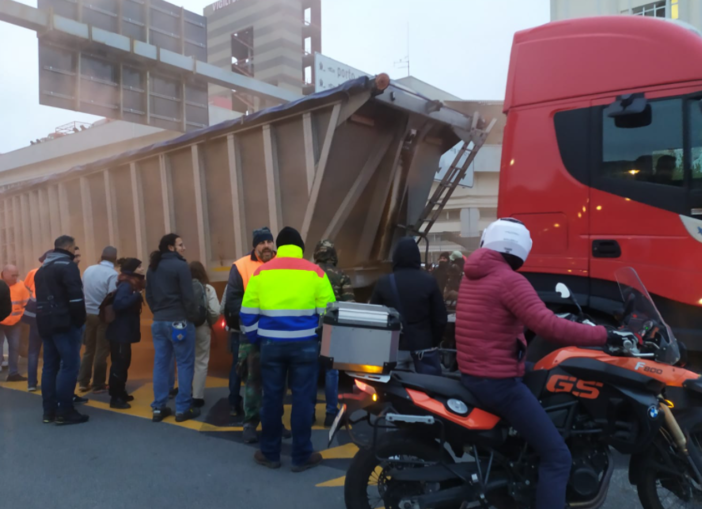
{"x":325,"y":256}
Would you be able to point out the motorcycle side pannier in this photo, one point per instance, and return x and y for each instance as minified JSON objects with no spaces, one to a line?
{"x":363,"y":338}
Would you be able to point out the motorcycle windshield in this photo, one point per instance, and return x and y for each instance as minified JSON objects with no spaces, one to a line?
{"x":639,"y":304}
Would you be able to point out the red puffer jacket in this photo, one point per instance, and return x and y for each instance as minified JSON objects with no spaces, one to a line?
{"x":494,"y":305}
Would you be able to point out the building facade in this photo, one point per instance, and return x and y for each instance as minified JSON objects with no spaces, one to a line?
{"x":270,"y":40}
{"x":689,"y":11}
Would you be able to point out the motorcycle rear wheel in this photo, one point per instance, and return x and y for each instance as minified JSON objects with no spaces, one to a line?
{"x":366,"y":485}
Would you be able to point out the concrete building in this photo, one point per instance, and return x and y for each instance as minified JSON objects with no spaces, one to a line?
{"x":689,"y":11}
{"x":270,"y":40}
{"x":59,"y":151}
{"x":451,"y":232}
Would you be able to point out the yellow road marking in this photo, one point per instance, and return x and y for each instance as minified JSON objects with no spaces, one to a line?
{"x":209,"y":428}
{"x":342,"y":452}
{"x":334,"y":483}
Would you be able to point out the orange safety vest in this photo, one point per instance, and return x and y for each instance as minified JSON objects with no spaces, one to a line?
{"x":20,"y":296}
{"x":247,"y":266}
{"x":29,"y":283}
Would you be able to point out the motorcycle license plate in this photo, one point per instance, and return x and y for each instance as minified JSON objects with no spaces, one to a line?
{"x":335,"y":426}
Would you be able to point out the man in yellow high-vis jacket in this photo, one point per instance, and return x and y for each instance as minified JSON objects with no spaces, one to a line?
{"x":281,"y":308}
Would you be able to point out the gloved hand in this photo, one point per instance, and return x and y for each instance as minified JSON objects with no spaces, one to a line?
{"x":620,"y":341}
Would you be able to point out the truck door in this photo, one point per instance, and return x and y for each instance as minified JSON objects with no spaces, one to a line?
{"x":645,"y":199}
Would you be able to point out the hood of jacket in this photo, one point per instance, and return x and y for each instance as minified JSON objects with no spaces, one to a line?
{"x":483,"y":262}
{"x":406,"y":255}
{"x":57,"y":254}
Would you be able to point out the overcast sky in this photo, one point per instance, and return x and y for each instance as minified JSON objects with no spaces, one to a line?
{"x":461,"y":46}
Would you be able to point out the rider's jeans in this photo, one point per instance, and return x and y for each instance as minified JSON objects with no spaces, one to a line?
{"x":512,"y":400}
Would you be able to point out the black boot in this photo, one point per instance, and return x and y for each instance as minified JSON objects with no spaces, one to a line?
{"x":119,"y":404}
{"x":72,"y":417}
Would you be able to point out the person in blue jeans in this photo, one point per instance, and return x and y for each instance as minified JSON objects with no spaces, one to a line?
{"x":60,"y":317}
{"x":170,"y":296}
{"x":236,"y":407}
{"x":280,"y":310}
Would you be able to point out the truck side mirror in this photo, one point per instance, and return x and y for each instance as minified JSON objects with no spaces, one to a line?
{"x":630,"y":111}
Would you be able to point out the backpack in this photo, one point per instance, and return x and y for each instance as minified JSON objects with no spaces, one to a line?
{"x":107,"y":312}
{"x":201,"y":299}
{"x":212,"y":318}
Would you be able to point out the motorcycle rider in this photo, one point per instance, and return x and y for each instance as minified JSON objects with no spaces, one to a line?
{"x":495,"y":303}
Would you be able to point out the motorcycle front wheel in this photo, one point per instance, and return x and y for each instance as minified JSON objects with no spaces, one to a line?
{"x":660,"y":490}
{"x":367,"y":485}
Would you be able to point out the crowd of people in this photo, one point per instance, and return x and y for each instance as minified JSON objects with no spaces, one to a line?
{"x":272,"y":306}
{"x":271,"y":311}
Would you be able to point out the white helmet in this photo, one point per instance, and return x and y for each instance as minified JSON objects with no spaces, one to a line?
{"x":508,"y":236}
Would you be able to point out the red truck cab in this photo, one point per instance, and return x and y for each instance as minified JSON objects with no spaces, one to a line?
{"x":602,"y":160}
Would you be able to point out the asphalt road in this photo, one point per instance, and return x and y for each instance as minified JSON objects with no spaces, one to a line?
{"x":119,"y":461}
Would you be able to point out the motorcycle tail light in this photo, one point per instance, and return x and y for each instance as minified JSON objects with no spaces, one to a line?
{"x":363,"y":387}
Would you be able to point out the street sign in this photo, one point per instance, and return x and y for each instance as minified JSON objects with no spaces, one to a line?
{"x":93,"y":78}
{"x":330,"y":73}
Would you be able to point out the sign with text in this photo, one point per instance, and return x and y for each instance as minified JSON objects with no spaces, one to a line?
{"x":330,"y":73}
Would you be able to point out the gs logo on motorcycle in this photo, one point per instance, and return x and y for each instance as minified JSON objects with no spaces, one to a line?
{"x":578,"y":388}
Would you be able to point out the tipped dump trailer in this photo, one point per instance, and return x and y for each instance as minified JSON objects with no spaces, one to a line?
{"x":355,"y":164}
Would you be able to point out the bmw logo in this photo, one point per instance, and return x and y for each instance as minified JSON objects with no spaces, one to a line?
{"x":653,"y":412}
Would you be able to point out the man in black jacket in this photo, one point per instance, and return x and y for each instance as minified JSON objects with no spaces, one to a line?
{"x":416,"y":295}
{"x":5,"y":301}
{"x":60,"y":317}
{"x":169,"y":293}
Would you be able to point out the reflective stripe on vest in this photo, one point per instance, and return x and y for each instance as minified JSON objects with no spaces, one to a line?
{"x":284,"y":298}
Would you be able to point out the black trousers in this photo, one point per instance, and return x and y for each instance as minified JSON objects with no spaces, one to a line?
{"x":121,"y":354}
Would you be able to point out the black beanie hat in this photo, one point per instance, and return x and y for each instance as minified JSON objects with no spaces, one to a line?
{"x":289,"y":237}
{"x":262,"y":235}
{"x":129,"y":265}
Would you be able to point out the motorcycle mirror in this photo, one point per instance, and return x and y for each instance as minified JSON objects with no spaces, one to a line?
{"x":563,"y":291}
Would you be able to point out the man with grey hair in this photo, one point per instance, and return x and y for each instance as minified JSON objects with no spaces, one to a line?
{"x":98,"y":281}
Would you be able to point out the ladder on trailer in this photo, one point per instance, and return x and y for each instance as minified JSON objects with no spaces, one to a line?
{"x":458,"y":169}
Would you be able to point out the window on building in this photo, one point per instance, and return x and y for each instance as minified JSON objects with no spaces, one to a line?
{"x":308,"y":75}
{"x":654,"y":9}
{"x":652,"y":153}
{"x":308,"y":44}
{"x":308,"y":16}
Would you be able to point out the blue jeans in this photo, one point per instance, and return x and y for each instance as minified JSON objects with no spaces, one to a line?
{"x":295,"y":362}
{"x":429,"y":364}
{"x":331,"y":390}
{"x":13,"y":334}
{"x":171,"y":372}
{"x":512,"y":400}
{"x":60,"y":374}
{"x":184,"y":351}
{"x":234,"y":378}
{"x":33,"y":354}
